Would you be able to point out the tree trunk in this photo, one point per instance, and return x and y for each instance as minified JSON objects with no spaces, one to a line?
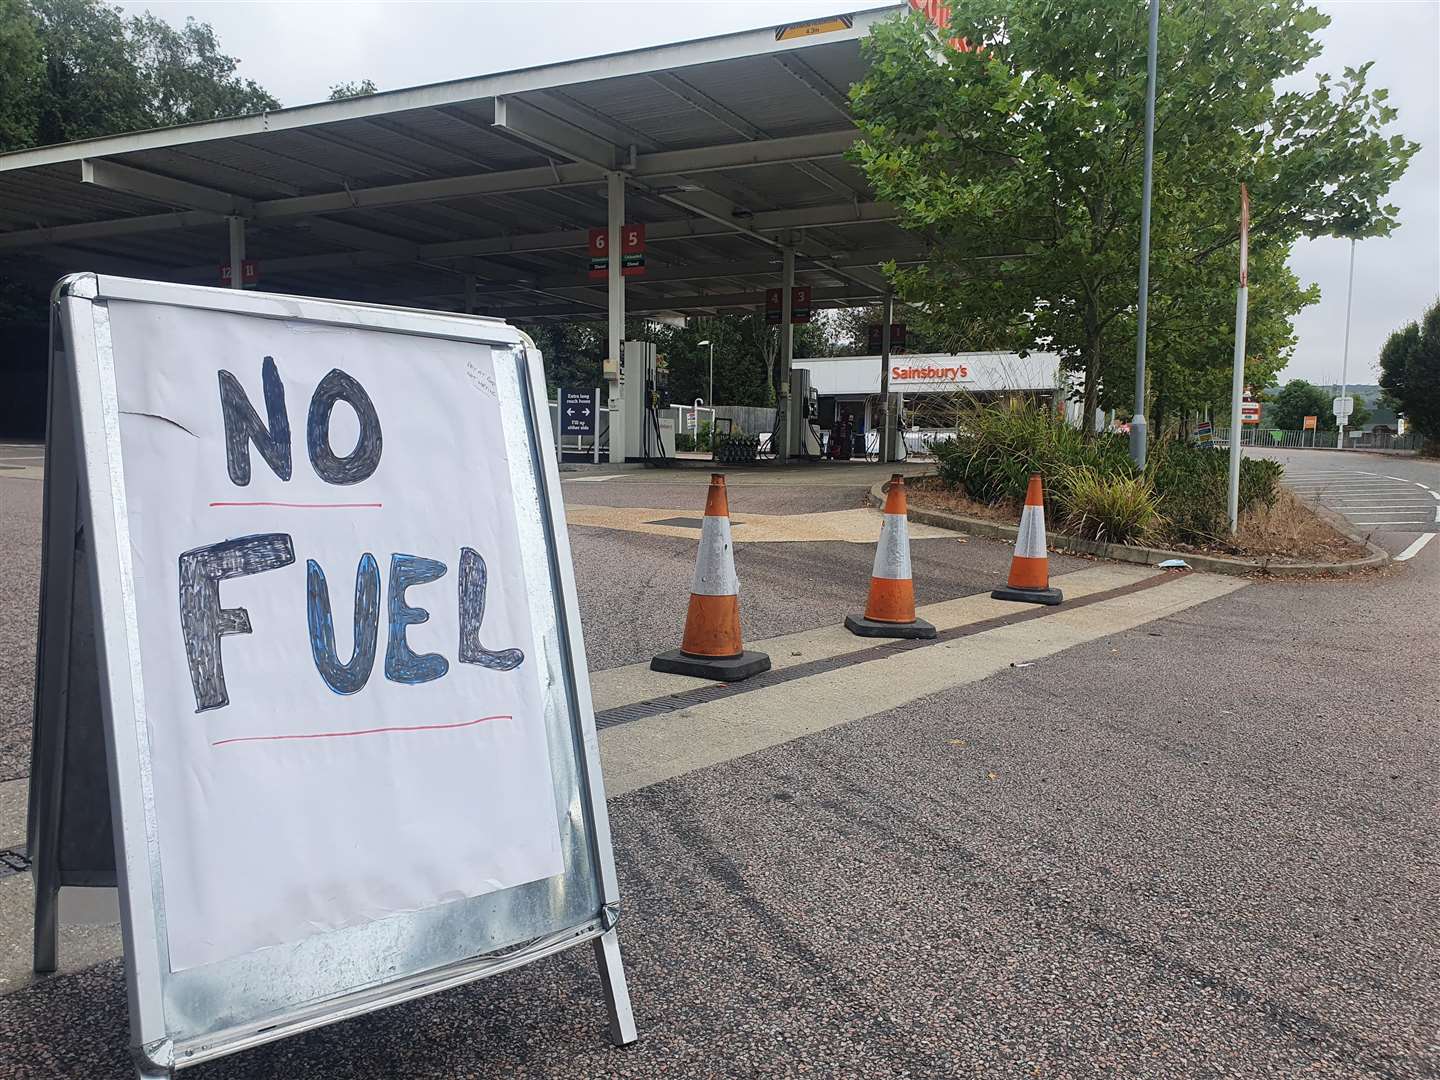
{"x":1091,"y":399}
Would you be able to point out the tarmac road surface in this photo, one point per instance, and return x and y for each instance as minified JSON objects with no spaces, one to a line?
{"x":1190,"y":832}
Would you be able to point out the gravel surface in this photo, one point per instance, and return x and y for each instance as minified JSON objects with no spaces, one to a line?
{"x":20,"y":511}
{"x":634,"y":587}
{"x":1177,"y":852}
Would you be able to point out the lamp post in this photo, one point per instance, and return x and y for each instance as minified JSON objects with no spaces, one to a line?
{"x":1138,"y":431}
{"x":1344,"y":418}
{"x":710,"y":393}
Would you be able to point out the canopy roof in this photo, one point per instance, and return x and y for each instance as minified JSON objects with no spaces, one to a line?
{"x":729,"y":145}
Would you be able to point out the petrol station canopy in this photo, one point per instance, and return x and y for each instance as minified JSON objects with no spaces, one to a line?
{"x":480,"y":194}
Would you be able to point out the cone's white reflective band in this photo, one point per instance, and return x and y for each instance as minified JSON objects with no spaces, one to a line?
{"x":1030,"y":542}
{"x":715,"y":567}
{"x":892,"y":554}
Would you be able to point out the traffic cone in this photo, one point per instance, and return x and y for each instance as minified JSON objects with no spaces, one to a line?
{"x":711,"y":647}
{"x":890,"y":610}
{"x":1030,"y":567}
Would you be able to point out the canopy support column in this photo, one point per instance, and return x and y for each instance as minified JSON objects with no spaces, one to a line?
{"x":780,"y":437}
{"x":237,"y":252}
{"x":615,"y":296}
{"x":887,"y":315}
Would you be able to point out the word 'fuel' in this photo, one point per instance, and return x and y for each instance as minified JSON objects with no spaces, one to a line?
{"x":203,"y":621}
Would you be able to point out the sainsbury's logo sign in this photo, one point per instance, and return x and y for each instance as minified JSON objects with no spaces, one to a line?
{"x":931,"y":374}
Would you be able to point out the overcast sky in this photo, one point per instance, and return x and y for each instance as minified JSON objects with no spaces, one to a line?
{"x":298,"y":48}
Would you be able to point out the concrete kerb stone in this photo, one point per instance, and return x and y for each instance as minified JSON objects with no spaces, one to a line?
{"x":1147,"y":556}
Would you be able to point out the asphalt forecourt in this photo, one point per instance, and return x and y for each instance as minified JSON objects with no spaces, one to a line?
{"x":1135,"y":856}
{"x":1394,"y":500}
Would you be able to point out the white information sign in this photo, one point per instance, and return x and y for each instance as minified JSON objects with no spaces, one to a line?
{"x":339,"y":669}
{"x":1342,"y":407}
{"x":310,"y":640}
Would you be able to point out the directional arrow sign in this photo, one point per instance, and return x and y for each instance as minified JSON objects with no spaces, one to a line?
{"x":577,"y":412}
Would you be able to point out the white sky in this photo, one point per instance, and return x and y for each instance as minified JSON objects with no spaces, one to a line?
{"x":298,"y":48}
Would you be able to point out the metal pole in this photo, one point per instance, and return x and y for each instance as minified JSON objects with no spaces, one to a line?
{"x":237,"y":252}
{"x":1137,"y":422}
{"x":887,"y":312}
{"x":595,"y":438}
{"x":615,"y":295}
{"x":1345,"y":355}
{"x":1237,"y":385}
{"x":711,"y":398}
{"x":781,"y":435}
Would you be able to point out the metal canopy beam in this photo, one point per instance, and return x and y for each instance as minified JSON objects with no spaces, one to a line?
{"x":647,"y":166}
{"x":551,"y":135}
{"x":461,"y":91}
{"x":164,"y":189}
{"x":705,"y":271}
{"x":829,"y":216}
{"x":706,"y":301}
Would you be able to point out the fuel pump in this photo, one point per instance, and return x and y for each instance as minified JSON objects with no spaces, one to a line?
{"x":801,"y":431}
{"x":649,"y":432}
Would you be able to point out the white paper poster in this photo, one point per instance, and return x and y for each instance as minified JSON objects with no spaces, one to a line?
{"x":340,"y":681}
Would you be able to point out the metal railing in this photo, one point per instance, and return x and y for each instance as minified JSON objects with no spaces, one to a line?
{"x":1319,"y":440}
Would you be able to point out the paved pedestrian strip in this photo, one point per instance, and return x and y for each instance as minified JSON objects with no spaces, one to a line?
{"x":683,"y":724}
{"x":654,"y":726}
{"x":1371,"y":500}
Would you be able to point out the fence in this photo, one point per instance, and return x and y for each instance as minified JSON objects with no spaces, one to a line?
{"x":1320,"y":440}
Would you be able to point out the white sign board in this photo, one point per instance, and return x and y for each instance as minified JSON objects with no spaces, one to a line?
{"x":329,"y":587}
{"x":1342,"y":407}
{"x":934,"y":373}
{"x":322,"y":520}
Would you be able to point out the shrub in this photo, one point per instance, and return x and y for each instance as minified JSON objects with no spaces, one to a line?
{"x":1094,"y":486}
{"x":1117,"y":509}
{"x":1193,"y":484}
{"x":996,"y":449}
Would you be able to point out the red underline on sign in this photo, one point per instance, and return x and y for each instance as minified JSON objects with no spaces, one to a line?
{"x":364,"y":731}
{"x":306,"y":506}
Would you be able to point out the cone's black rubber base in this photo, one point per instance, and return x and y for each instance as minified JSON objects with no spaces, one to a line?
{"x":1028,"y":596}
{"x":863,"y":627}
{"x":720,"y":669}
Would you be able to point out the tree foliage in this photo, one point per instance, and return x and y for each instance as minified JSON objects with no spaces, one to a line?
{"x":1020,"y":166}
{"x":1295,"y":401}
{"x":746,"y":354}
{"x":351,"y":89}
{"x":1410,"y":372}
{"x":74,"y":69}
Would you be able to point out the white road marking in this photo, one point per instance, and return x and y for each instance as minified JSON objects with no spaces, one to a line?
{"x":613,"y":687}
{"x":658,"y":748}
{"x":589,"y":479}
{"x":1415,"y":548}
{"x":1406,"y":521}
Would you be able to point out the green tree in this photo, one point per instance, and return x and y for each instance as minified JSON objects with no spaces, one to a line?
{"x":1410,"y":372}
{"x":363,"y":88}
{"x":850,"y":330}
{"x":75,"y":69}
{"x":1019,"y":165}
{"x":185,"y":75}
{"x":1297,"y":400}
{"x":21,"y":69}
{"x":103,"y":74}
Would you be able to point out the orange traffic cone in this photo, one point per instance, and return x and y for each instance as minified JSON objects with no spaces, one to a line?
{"x":1030,"y":567}
{"x":711,"y":647}
{"x":890,"y":610}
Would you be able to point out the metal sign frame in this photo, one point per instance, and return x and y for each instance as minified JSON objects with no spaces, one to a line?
{"x":187,"y":1017}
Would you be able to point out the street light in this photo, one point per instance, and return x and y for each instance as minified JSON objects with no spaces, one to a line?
{"x":711,"y":394}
